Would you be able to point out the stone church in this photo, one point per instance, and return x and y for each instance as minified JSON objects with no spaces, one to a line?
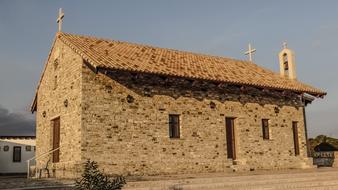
{"x":142,"y":110}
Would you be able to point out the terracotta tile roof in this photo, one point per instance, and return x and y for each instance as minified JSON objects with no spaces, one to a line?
{"x":17,"y":137}
{"x":116,"y":55}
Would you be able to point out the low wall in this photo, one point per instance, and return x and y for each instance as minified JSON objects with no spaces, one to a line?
{"x":335,"y":162}
{"x":326,"y":159}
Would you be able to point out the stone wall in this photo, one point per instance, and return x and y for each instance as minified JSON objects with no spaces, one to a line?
{"x":335,"y":162}
{"x":61,"y":81}
{"x":133,"y":138}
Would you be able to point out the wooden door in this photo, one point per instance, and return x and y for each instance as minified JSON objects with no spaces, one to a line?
{"x":56,"y":139}
{"x":230,"y":138}
{"x":295,"y":137}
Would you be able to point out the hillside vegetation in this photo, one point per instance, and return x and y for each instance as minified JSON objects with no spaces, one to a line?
{"x":313,"y":142}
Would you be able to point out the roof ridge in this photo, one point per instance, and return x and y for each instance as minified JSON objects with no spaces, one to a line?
{"x":157,"y":47}
{"x":175,"y":50}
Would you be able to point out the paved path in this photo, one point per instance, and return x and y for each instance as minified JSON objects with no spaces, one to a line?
{"x":318,"y":179}
{"x":21,"y":182}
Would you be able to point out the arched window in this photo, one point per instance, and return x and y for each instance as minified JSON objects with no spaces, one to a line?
{"x":286,"y":61}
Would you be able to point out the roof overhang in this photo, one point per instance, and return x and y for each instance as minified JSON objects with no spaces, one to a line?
{"x":92,"y":61}
{"x":33,"y":106}
{"x":308,"y":99}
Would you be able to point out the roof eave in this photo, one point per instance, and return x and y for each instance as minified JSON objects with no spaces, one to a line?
{"x":33,"y":106}
{"x":96,"y":66}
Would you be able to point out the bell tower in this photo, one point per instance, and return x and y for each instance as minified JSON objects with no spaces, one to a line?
{"x":287,"y":63}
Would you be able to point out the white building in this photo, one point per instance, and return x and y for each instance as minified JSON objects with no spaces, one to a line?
{"x":14,"y":151}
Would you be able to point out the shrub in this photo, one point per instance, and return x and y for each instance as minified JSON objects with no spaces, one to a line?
{"x":93,"y":179}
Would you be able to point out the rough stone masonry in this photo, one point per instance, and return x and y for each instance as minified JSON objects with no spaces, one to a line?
{"x":120,"y":118}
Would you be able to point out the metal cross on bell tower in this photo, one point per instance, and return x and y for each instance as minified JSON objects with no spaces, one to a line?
{"x":59,"y":19}
{"x":250,"y":52}
{"x":285,"y":45}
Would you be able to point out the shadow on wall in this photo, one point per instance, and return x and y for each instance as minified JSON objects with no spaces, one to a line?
{"x":150,"y":85}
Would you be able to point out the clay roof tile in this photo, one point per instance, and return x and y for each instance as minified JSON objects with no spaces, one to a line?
{"x":110,"y":54}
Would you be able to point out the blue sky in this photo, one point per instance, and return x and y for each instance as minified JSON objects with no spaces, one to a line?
{"x":214,"y":27}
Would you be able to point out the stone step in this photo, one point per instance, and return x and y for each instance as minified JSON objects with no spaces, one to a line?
{"x":326,"y":184}
{"x":265,"y":185}
{"x":243,"y":178}
{"x":281,"y":187}
{"x":274,"y":180}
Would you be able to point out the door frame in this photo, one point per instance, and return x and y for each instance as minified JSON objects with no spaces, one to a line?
{"x":231,"y":142}
{"x":295,"y":138}
{"x":56,"y":127}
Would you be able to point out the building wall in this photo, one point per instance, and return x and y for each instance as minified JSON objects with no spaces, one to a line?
{"x":6,"y":157}
{"x":51,"y":101}
{"x":133,"y":138}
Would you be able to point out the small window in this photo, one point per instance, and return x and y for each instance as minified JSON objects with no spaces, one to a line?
{"x":28,"y":148}
{"x":174,"y":126}
{"x":265,"y":129}
{"x":56,"y":63}
{"x":286,"y":66}
{"x":17,"y":154}
{"x":6,"y":148}
{"x":286,"y":63}
{"x":55,"y":82}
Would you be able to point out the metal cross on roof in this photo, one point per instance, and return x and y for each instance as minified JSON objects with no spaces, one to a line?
{"x":250,"y":52}
{"x":285,"y":45}
{"x":59,"y":19}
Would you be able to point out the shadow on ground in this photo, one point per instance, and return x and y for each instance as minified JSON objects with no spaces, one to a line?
{"x":21,"y":182}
